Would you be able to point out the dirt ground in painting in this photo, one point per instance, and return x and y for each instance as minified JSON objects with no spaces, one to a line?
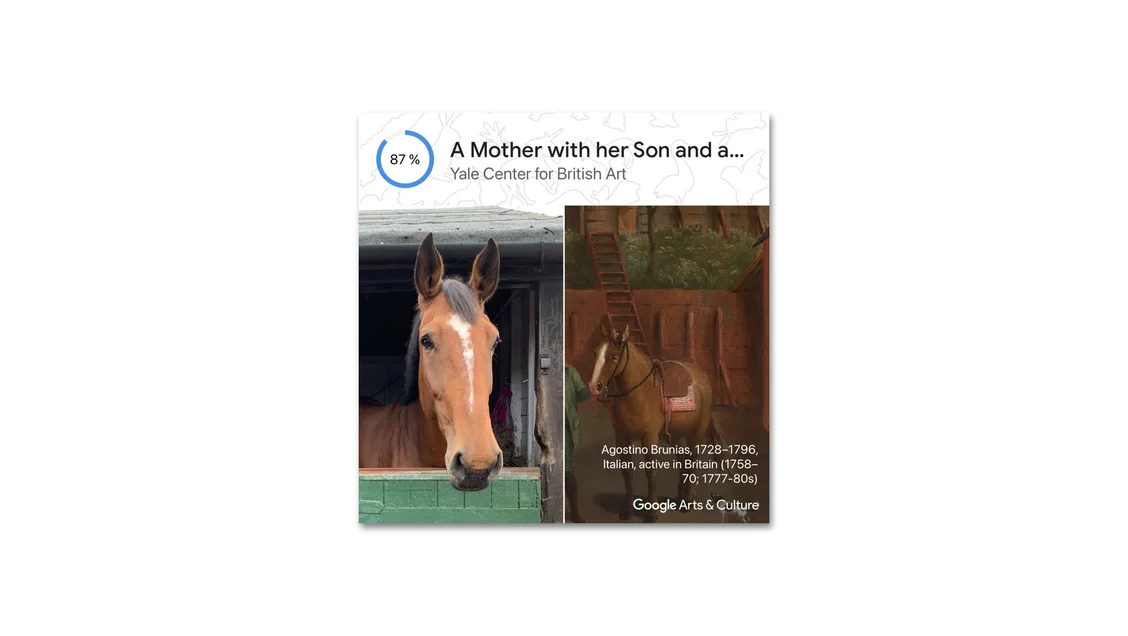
{"x":602,"y":491}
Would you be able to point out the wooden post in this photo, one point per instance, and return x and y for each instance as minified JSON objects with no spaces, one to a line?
{"x":716,"y":362}
{"x":627,"y":222}
{"x":720,"y":344}
{"x":722,"y":368}
{"x":652,"y":265}
{"x":660,"y":334}
{"x":724,"y":222}
{"x":516,"y":379}
{"x":691,"y":353}
{"x":533,"y":336}
{"x":570,"y":336}
{"x":548,"y":404}
{"x":764,"y":373}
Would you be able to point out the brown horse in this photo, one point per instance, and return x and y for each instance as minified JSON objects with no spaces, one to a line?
{"x":635,"y":385}
{"x":443,"y":417}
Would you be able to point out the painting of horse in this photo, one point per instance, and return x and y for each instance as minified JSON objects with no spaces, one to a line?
{"x":651,"y":401}
{"x":442,"y":419}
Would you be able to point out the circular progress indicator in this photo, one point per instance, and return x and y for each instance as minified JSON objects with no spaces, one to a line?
{"x":405,"y":159}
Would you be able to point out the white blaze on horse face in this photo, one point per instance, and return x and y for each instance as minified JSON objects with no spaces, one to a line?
{"x":599,"y":360}
{"x":462,"y":328}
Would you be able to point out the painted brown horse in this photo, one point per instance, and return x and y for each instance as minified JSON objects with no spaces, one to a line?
{"x":443,"y":417}
{"x":634,"y":384}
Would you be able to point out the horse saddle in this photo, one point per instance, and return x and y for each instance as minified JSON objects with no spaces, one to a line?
{"x":675,"y":383}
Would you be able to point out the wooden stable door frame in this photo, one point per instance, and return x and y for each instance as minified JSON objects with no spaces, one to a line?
{"x":522,"y":315}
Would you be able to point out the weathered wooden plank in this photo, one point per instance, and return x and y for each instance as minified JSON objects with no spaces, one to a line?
{"x":518,"y":340}
{"x":372,"y":490}
{"x":455,"y":515}
{"x":438,"y":474}
{"x":426,"y":496}
{"x":529,"y":494}
{"x":550,"y":401}
{"x":410,"y":494}
{"x":451,"y":498}
{"x":480,"y":498}
{"x":371,"y":507}
{"x":505,"y":495}
{"x":530,"y":453}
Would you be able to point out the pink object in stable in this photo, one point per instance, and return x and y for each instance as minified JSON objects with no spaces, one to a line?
{"x":501,"y":409}
{"x":683,"y":404}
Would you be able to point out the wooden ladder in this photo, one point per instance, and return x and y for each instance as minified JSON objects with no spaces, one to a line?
{"x":607,"y":261}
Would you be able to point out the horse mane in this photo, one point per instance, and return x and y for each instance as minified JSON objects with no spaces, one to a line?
{"x":464,"y":302}
{"x":639,"y":352}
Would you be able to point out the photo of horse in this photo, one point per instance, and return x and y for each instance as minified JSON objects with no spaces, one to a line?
{"x":667,"y":327}
{"x":461,"y":371}
{"x":437,"y":423}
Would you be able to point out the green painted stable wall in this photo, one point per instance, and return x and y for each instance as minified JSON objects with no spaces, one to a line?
{"x":429,"y":498}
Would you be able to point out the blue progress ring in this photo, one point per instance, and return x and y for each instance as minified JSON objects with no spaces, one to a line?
{"x":430,"y":161}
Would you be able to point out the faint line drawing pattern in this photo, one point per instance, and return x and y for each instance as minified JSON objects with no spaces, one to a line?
{"x":740,"y":122}
{"x":616,"y":121}
{"x":745,"y":187}
{"x":622,"y":193}
{"x":572,"y":196}
{"x":676,"y":185}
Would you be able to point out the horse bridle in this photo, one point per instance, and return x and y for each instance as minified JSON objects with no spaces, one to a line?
{"x":624,"y":357}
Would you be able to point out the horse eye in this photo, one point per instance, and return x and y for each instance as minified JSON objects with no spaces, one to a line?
{"x":497,"y":343}
{"x":427,"y":343}
{"x":615,"y":357}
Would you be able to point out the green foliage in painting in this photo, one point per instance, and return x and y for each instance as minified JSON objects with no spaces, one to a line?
{"x":578,"y":271}
{"x":686,"y":258}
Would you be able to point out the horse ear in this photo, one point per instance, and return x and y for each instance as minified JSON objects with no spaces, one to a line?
{"x":603,"y":327}
{"x":487,"y":269}
{"x":626,"y":330}
{"x":428,"y":269}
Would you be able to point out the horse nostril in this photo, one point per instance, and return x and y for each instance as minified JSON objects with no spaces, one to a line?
{"x":598,"y":386}
{"x":459,"y":462}
{"x":464,"y":477}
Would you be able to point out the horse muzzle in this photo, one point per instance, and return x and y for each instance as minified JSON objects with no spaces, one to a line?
{"x":463,"y":477}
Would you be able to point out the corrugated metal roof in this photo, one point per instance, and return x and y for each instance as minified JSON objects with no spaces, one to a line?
{"x":458,"y":225}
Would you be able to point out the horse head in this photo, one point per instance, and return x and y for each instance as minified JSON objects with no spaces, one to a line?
{"x":608,"y":359}
{"x":456,"y":343}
